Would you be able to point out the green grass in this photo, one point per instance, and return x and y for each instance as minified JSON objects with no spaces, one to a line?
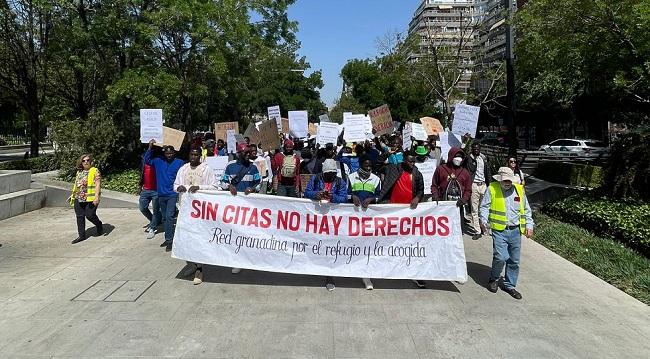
{"x":607,"y":259}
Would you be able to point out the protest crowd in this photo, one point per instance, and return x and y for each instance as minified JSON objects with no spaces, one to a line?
{"x":397,"y":167}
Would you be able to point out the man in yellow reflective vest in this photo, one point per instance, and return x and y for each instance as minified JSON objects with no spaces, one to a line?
{"x":505,"y":210}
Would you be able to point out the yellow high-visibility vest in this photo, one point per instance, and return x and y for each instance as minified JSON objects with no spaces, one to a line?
{"x":497,"y":216}
{"x":90,"y":188}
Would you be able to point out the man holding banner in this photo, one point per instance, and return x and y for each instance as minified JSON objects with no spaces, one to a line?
{"x":193,"y":176}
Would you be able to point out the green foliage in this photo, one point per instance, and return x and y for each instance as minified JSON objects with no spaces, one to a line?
{"x":35,"y":164}
{"x":628,"y":170}
{"x":98,"y":135}
{"x":127,"y":181}
{"x":573,"y":174}
{"x":627,"y":221}
{"x":586,"y":54}
{"x":346,"y":103}
{"x":605,"y":258}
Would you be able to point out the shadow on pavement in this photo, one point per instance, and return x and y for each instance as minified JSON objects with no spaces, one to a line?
{"x":216,"y":274}
{"x":92,"y":232}
{"x":479,"y":273}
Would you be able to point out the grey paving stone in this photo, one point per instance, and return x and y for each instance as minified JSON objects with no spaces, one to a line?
{"x":373,"y":340}
{"x":132,"y":338}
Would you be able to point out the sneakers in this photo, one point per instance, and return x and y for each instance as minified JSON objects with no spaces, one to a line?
{"x":329,"y":284}
{"x":493,"y":286}
{"x":419,"y":283}
{"x":78,"y":239}
{"x":513,"y":293}
{"x":235,"y":270}
{"x":151,"y":233}
{"x":368,"y":283}
{"x":198,"y":277}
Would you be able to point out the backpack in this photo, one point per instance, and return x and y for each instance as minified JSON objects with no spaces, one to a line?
{"x":453,"y":192}
{"x":288,"y":168}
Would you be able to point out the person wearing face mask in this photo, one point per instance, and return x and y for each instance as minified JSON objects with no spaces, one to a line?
{"x":452,"y":181}
{"x":365,"y":187}
{"x":166,"y":169}
{"x":193,"y":176}
{"x":286,"y":168}
{"x":506,"y":211}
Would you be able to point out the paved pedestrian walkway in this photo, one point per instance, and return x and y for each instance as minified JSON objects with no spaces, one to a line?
{"x":121,"y":296}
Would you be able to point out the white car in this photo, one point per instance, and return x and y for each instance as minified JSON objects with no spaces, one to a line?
{"x":575,"y":145}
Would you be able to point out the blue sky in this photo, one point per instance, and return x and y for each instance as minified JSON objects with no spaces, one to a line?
{"x":334,"y":31}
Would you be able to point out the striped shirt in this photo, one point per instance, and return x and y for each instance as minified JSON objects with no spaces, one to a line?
{"x":251,"y":176}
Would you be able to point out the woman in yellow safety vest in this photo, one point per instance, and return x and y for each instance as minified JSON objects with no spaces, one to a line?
{"x":85,"y":196}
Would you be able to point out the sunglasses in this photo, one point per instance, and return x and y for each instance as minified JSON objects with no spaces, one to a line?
{"x":85,"y":161}
{"x":512,"y":161}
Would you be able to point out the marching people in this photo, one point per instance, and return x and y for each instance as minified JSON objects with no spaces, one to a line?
{"x":263,"y":164}
{"x":506,"y":211}
{"x":403,"y":183}
{"x":479,"y":169}
{"x":286,"y":168}
{"x":191,"y":177}
{"x":166,"y":170}
{"x":241,"y":176}
{"x":451,"y":181}
{"x":327,"y":187}
{"x":365,"y":187}
{"x":149,"y":194}
{"x":514,"y":166}
{"x":85,"y":196}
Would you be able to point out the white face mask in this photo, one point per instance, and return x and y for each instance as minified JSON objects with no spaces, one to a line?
{"x":457,"y":161}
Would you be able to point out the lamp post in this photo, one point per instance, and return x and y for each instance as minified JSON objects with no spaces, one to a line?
{"x":511,"y":112}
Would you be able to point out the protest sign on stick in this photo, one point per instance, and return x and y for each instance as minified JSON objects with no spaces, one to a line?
{"x":151,"y":125}
{"x":220,"y":129}
{"x":465,"y":120}
{"x":295,"y":235}
{"x":298,"y":124}
{"x":382,"y":122}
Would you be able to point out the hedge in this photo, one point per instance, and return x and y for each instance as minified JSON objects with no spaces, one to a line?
{"x":35,"y":164}
{"x":127,"y":181}
{"x":625,"y":220}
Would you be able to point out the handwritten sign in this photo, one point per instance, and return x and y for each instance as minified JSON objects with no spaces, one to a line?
{"x":220,"y":129}
{"x":465,"y":120}
{"x":427,"y":169}
{"x":328,"y":132}
{"x":172,"y":137}
{"x":151,"y":125}
{"x":382,"y":122}
{"x":298,"y":124}
{"x":431,"y":125}
{"x":355,"y":127}
{"x":274,"y":114}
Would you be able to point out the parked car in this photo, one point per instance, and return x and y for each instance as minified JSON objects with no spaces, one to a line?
{"x":575,"y":145}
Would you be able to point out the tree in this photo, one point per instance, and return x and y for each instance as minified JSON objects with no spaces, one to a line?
{"x":25,"y":27}
{"x":345,"y":103}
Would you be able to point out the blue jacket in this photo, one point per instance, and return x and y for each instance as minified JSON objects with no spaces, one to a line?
{"x":165,"y":173}
{"x":316,"y":184}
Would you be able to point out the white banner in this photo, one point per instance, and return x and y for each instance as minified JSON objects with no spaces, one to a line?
{"x":328,"y":132}
{"x":298,"y":124}
{"x":427,"y":169}
{"x":465,"y":120}
{"x":292,"y":235}
{"x":151,"y":125}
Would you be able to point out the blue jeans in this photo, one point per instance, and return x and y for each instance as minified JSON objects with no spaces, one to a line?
{"x":167,"y":208}
{"x":147,"y":196}
{"x":506,"y":247}
{"x":287,"y":191}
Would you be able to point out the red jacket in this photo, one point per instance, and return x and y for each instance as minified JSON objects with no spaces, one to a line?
{"x":276,"y":164}
{"x":443,"y":173}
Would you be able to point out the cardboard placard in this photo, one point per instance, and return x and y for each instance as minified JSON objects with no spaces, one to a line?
{"x":431,"y":125}
{"x":382,"y":122}
{"x":269,"y":135}
{"x":220,"y":129}
{"x":252,"y":133}
{"x":285,"y":126}
{"x":274,"y":114}
{"x":355,"y":128}
{"x":298,"y":124}
{"x":172,"y":137}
